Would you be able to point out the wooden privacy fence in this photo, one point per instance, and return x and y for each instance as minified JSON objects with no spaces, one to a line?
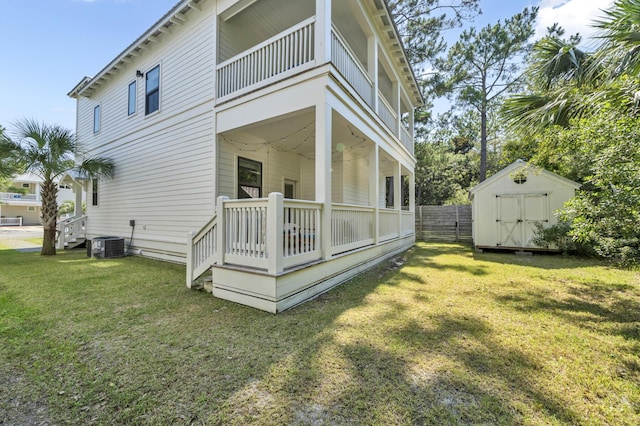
{"x":443,"y":223}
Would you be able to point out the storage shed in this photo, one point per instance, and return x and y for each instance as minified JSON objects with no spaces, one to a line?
{"x":508,"y":206}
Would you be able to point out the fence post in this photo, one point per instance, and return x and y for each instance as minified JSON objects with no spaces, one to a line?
{"x":457,"y":225}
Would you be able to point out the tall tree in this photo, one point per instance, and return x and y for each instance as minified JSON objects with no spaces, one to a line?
{"x":422,"y":25}
{"x":484,"y":65}
{"x":50,"y":151}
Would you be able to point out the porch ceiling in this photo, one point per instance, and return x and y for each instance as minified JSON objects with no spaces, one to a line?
{"x":296,"y":133}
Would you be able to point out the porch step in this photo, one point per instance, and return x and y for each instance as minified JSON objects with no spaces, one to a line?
{"x":79,"y":242}
{"x":204,"y":282}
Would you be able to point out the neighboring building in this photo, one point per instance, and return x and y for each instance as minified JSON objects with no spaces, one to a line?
{"x":508,"y":207}
{"x":223,"y":104}
{"x":22,"y":206}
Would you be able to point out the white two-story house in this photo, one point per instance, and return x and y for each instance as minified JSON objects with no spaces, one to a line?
{"x":267,"y":141}
{"x":21,"y":204}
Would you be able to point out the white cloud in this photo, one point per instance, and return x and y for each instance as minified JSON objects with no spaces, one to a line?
{"x":575,"y":16}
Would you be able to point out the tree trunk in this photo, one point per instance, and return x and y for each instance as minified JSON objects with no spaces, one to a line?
{"x":49,"y":193}
{"x":483,"y":141}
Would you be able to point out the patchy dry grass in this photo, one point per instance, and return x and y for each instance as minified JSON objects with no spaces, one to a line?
{"x":450,"y":337}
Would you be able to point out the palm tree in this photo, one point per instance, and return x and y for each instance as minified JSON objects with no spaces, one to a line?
{"x":569,"y":83}
{"x":620,"y":33}
{"x":560,"y":77}
{"x":50,"y":151}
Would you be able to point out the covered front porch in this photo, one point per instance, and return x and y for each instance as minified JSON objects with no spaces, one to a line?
{"x":295,"y":216}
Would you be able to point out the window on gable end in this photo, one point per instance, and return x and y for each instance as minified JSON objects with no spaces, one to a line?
{"x":96,"y":119}
{"x":132,"y":98}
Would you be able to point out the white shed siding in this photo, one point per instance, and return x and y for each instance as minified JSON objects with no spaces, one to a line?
{"x":165,"y":162}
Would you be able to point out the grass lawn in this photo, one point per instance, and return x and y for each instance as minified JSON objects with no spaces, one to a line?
{"x":449,"y":337}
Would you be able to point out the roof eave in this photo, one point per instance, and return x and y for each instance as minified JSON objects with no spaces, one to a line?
{"x":175,"y":16}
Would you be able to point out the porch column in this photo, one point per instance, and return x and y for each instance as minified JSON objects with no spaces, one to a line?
{"x":396,"y":93}
{"x":397,"y":190}
{"x":221,"y":231}
{"x":77,"y":190}
{"x":372,"y":67}
{"x":374,"y":189}
{"x":323,"y":32}
{"x":323,"y":174}
{"x":275,"y":221}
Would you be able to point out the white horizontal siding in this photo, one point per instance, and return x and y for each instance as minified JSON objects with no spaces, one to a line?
{"x":356,"y":179}
{"x":186,"y":58}
{"x":276,"y":166}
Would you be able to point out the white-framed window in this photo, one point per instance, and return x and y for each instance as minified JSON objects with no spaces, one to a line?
{"x":132,"y":97}
{"x":96,"y":119}
{"x":94,"y":192}
{"x":152,"y":90}
{"x":249,"y":178}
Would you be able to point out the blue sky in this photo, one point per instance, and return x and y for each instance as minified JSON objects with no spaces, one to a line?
{"x":49,"y":45}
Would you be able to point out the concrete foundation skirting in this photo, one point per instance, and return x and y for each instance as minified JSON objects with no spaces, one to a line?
{"x":277,"y":293}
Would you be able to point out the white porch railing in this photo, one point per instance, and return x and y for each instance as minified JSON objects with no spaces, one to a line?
{"x":13,"y":196}
{"x":283,"y":52}
{"x":245,"y":232}
{"x":389,"y":223}
{"x":345,"y":61}
{"x":301,"y":232}
{"x":201,"y":250}
{"x":388,"y":115}
{"x":11,"y":221}
{"x":352,"y":227}
{"x":70,"y":230}
{"x":408,"y":223}
{"x":273,"y":234}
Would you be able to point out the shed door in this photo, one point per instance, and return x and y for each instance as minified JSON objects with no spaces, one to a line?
{"x":508,"y":220}
{"x":535,"y":211}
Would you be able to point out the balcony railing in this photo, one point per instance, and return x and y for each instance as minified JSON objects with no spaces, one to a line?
{"x":266,"y":61}
{"x":12,"y":196}
{"x":406,"y":138}
{"x":388,"y":115}
{"x":345,"y":61}
{"x":292,"y":51}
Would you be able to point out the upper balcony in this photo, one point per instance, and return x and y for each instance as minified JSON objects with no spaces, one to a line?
{"x":293,"y":37}
{"x":16,"y":198}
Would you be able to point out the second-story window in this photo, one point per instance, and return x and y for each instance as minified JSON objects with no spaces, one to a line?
{"x":131,"y":109}
{"x":152,"y":92}
{"x":96,"y":119}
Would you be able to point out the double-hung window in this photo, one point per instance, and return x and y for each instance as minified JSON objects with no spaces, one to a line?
{"x":152,"y":91}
